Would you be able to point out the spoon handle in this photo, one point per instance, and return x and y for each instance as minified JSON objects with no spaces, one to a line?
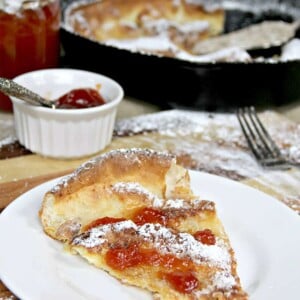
{"x":11,"y":88}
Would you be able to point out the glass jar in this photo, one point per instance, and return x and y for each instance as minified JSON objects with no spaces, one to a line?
{"x":29,"y":38}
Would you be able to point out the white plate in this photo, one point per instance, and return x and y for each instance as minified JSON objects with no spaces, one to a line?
{"x":263,"y":232}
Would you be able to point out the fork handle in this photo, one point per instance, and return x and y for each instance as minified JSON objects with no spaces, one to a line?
{"x":284,"y":165}
{"x":294,"y":164}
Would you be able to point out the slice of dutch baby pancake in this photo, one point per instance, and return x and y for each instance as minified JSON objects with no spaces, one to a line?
{"x":133,"y":214}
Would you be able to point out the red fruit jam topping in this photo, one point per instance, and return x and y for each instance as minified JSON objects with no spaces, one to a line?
{"x":149,"y":215}
{"x":133,"y":255}
{"x":183,"y":282}
{"x":205,"y":237}
{"x":103,"y":221}
{"x":80,"y":98}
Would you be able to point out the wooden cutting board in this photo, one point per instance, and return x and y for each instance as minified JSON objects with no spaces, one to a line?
{"x":206,"y":142}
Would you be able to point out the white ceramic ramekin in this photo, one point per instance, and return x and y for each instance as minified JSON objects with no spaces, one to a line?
{"x":66,"y":133}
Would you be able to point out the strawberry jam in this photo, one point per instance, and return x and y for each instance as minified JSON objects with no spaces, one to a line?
{"x":149,"y":215}
{"x":133,"y":255}
{"x":29,"y":38}
{"x":177,"y":272}
{"x":80,"y":98}
{"x":103,"y":221}
{"x":205,"y":237}
{"x":183,"y":282}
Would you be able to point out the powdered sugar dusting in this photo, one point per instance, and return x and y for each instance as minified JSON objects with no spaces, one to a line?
{"x":97,"y":235}
{"x":176,"y":122}
{"x":222,"y":280}
{"x":7,"y":132}
{"x":287,"y":135}
{"x":177,"y":203}
{"x":8,"y":140}
{"x":62,"y":183}
{"x":184,"y":245}
{"x":286,"y":187}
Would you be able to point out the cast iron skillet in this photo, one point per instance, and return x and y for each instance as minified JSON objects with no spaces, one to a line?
{"x":170,"y":83}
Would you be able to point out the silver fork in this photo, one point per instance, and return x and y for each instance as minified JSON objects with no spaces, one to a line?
{"x":260,"y":142}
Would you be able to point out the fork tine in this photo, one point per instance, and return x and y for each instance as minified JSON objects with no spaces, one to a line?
{"x":263,"y":133}
{"x":256,"y":134}
{"x":249,"y":134}
{"x":261,"y":144}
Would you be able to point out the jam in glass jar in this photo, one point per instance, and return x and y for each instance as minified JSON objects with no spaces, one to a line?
{"x":29,"y":38}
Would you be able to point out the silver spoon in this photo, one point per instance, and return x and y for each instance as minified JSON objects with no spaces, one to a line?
{"x":11,"y":88}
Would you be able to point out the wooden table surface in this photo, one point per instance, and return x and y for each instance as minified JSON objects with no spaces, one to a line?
{"x":21,"y":173}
